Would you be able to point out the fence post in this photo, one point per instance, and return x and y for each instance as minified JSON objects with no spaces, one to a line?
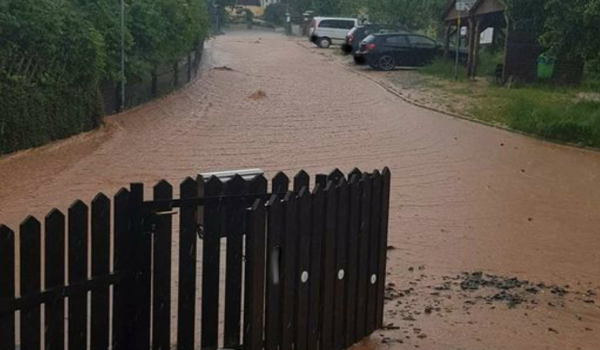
{"x":30,"y":241}
{"x":316,"y":257}
{"x":352,"y":279}
{"x":100,"y":242}
{"x":78,"y":266}
{"x":142,"y":259}
{"x":385,"y":209}
{"x":290,"y":252}
{"x":161,"y":300}
{"x":255,"y":268}
{"x":328,"y":267}
{"x":302,"y":274}
{"x":122,"y":309}
{"x":7,"y":285}
{"x":365,"y":185}
{"x":175,"y":74}
{"x":54,"y":224}
{"x":273,"y":287}
{"x":186,"y":304}
{"x":234,"y":228}
{"x":374,"y":252}
{"x":211,"y":262}
{"x":189,"y":72}
{"x":154,"y":87}
{"x":118,"y":103}
{"x":341,"y":270}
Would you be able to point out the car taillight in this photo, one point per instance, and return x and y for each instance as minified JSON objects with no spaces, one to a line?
{"x":370,"y":47}
{"x":350,"y":39}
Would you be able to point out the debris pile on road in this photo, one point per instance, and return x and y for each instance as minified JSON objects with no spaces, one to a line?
{"x":258,"y":95}
{"x":429,"y":298}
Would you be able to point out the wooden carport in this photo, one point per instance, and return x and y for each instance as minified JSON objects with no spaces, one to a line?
{"x":520,"y":48}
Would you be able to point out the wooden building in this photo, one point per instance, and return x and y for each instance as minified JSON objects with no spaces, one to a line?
{"x":521,"y":48}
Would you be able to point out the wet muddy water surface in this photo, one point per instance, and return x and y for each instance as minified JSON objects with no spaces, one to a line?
{"x":466,"y":198}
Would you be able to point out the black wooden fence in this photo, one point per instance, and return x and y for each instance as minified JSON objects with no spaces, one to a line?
{"x":163,"y":80}
{"x":304,"y":267}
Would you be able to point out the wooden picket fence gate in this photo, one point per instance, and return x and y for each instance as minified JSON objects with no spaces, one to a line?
{"x":304,"y":268}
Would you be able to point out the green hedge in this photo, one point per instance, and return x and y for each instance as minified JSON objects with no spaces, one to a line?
{"x":54,"y":53}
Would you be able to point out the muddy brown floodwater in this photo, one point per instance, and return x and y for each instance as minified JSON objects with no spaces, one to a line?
{"x":465,"y":197}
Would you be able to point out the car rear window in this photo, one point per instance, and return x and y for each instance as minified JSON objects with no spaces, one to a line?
{"x":421,"y":41}
{"x":370,"y":39}
{"x":396,"y":40}
{"x":336,"y":23}
{"x":352,"y":31}
{"x":343,"y":24}
{"x":326,"y":24}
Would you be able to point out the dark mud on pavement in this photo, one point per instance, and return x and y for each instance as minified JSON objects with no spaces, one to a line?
{"x":494,"y":312}
{"x":465,"y":197}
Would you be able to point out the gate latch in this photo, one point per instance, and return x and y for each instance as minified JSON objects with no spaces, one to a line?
{"x":151,"y":220}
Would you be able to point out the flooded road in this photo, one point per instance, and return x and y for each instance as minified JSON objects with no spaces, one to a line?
{"x":465,"y":197}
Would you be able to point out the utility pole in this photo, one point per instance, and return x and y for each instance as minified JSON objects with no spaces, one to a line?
{"x":457,"y":47}
{"x":122,"y":55}
{"x":461,"y":6}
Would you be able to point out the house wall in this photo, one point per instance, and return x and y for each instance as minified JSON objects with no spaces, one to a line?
{"x":521,"y":53}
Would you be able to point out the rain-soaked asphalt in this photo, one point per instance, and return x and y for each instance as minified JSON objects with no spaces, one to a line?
{"x":465,"y":197}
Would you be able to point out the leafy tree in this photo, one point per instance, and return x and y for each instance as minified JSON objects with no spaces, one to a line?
{"x":54,"y":53}
{"x":326,"y":7}
{"x":275,"y":13}
{"x":571,"y":28}
{"x":409,"y":13}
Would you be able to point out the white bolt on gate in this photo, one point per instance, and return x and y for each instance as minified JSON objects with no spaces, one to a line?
{"x":304,"y":276}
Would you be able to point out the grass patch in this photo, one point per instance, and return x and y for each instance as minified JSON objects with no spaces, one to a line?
{"x":443,"y":69}
{"x":577,"y":122}
{"x":563,"y":113}
{"x":550,"y":113}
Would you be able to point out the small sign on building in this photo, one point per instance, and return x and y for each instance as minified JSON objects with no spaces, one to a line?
{"x":363,"y":18}
{"x":464,"y":5}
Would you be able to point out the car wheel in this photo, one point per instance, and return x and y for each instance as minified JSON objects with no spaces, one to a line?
{"x":359,"y":60}
{"x":386,"y":63}
{"x":324,"y":43}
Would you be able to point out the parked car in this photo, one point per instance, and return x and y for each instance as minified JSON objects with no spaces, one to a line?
{"x":386,"y":51}
{"x":357,"y":34}
{"x":327,"y":30}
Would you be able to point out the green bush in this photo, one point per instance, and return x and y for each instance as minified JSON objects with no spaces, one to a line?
{"x":275,"y":14}
{"x":54,"y":53}
{"x":488,"y":60}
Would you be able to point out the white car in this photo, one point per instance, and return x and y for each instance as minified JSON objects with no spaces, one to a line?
{"x":327,"y":30}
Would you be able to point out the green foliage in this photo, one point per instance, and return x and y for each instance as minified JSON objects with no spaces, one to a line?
{"x":443,"y":69}
{"x":409,"y":13}
{"x":526,"y":15}
{"x":51,"y":59}
{"x":571,"y":28}
{"x":275,"y":14}
{"x":552,"y":112}
{"x":416,"y":15}
{"x":489,"y":59}
{"x":55,"y":53}
{"x":326,"y":7}
{"x":571,"y":122}
{"x":566,"y":29}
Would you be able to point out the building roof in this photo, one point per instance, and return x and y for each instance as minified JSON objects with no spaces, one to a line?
{"x":480,"y":7}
